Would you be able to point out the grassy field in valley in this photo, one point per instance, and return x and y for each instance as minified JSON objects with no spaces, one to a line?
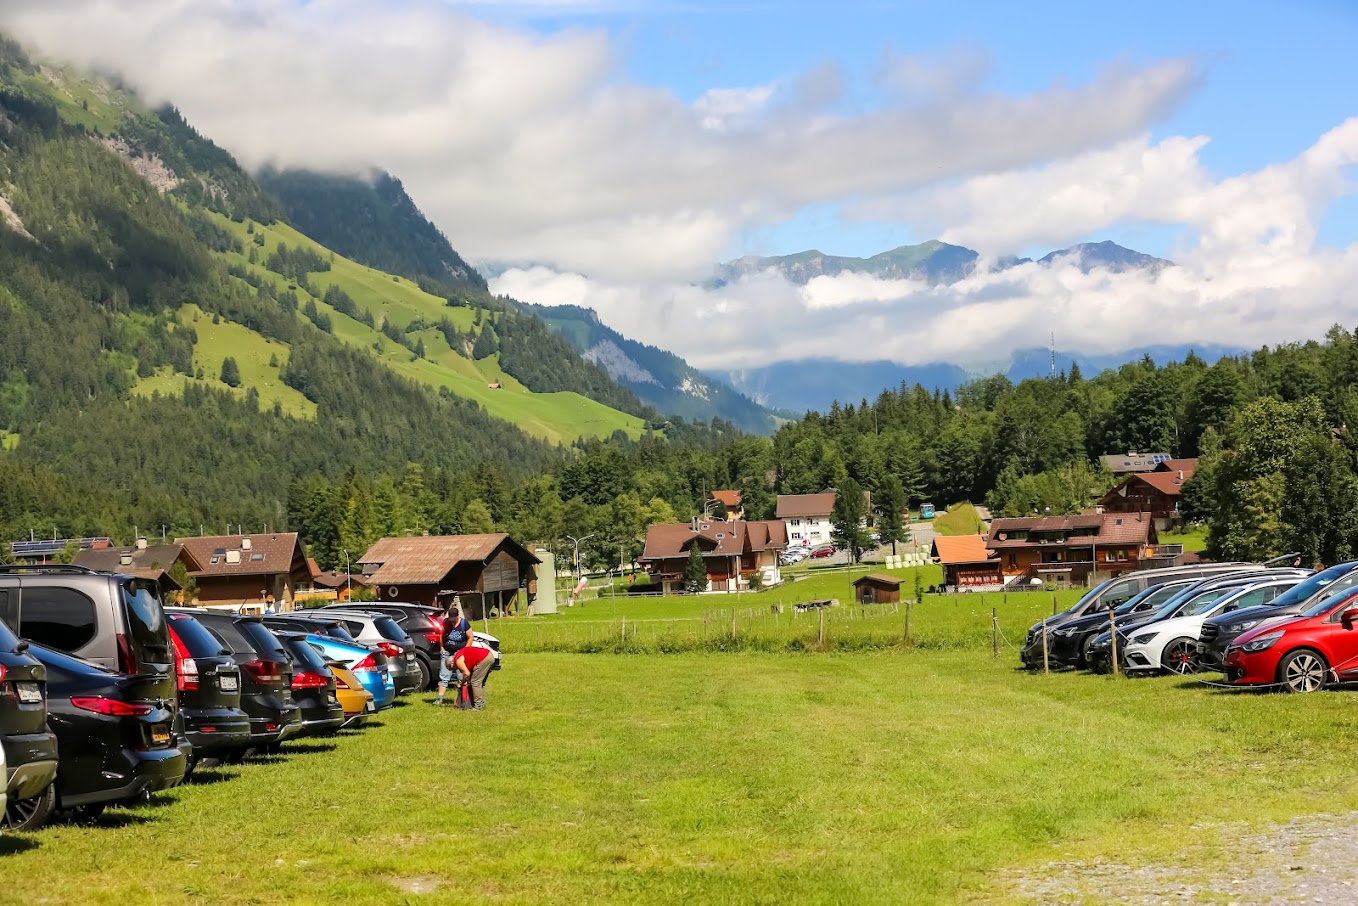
{"x":1194,"y":538}
{"x":918,"y":777}
{"x":960,"y":519}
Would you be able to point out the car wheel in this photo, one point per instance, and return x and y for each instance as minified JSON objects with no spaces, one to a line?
{"x":1097,"y":665}
{"x":32,"y":813}
{"x":1180,"y":656}
{"x":426,"y":675}
{"x":1084,"y":651}
{"x":1303,"y":670}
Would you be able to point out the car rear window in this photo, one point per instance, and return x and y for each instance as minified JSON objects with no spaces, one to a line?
{"x":145,"y":618}
{"x":390,"y":629}
{"x":59,"y":618}
{"x":259,"y":637}
{"x":9,"y":617}
{"x":195,"y":636}
{"x":304,"y":654}
{"x":340,"y":631}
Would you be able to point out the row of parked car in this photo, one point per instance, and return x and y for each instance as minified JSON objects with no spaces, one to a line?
{"x":1260,"y":626}
{"x":106,"y":695}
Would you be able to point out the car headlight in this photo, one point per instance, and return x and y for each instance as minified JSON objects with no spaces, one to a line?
{"x":1264,"y":642}
{"x":1142,"y":638}
{"x":1241,"y":627}
{"x":1063,"y":632}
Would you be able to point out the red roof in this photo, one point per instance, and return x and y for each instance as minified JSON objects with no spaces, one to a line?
{"x":767,"y":535}
{"x":1113,"y":528}
{"x":953,"y":550}
{"x":793,"y":506}
{"x":728,"y":499}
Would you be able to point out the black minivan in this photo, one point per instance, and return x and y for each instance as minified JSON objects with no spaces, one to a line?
{"x":208,"y":682}
{"x":30,"y":747}
{"x":265,"y":676}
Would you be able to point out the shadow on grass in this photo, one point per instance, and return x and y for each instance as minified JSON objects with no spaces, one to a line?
{"x":307,"y":748}
{"x":207,"y":777}
{"x":11,"y":845}
{"x":120,"y":818}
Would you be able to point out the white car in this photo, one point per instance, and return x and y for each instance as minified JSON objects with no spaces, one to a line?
{"x":1172,"y":644}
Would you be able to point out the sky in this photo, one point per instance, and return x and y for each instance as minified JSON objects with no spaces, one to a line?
{"x":611,"y":152}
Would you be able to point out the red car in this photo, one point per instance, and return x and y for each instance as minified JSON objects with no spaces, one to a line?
{"x":1305,"y":653}
{"x":825,"y":550}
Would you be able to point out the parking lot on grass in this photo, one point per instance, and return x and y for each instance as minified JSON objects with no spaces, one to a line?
{"x":892,"y":777}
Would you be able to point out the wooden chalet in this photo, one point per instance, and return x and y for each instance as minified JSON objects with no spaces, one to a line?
{"x":485,"y":572}
{"x":1157,"y":492}
{"x":146,"y":561}
{"x":877,"y":588}
{"x":726,"y":505}
{"x":248,"y":570}
{"x":732,"y":552}
{"x":966,"y":562}
{"x":1068,"y":550}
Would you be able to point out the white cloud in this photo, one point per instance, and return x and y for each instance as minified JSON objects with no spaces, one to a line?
{"x":530,"y":146}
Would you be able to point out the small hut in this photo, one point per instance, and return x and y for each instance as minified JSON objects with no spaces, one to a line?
{"x":876,"y":588}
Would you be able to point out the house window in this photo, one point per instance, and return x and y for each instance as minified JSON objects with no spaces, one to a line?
{"x":815,"y":534}
{"x":796,"y":536}
{"x":1013,"y":560}
{"x":796,"y":522}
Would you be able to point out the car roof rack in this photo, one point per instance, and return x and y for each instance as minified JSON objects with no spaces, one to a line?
{"x":59,"y":568}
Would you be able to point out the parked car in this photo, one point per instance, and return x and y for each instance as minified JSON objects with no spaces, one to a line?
{"x":1204,"y":590}
{"x":422,"y":623}
{"x":115,"y":735}
{"x":1220,"y":631}
{"x":307,"y":622}
{"x":378,"y":630}
{"x":356,"y":701}
{"x":28,"y":747}
{"x":313,"y":686}
{"x":265,"y":677}
{"x":1172,"y":644}
{"x":209,"y":687}
{"x":1112,"y":593}
{"x":1314,"y":649}
{"x":1068,"y":644}
{"x":110,"y":619}
{"x":825,"y":550}
{"x":368,"y":664}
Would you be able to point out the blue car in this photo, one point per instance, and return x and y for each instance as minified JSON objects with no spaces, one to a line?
{"x":368,"y":664}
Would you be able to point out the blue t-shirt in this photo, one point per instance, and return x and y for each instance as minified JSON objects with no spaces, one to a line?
{"x":456,"y":635}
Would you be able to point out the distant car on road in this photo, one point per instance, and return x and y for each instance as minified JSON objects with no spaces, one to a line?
{"x":825,"y":550}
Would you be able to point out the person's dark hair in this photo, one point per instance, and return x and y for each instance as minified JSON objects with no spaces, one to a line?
{"x":454,"y":612}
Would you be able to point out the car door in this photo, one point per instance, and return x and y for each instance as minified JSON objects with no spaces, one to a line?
{"x":1343,"y":643}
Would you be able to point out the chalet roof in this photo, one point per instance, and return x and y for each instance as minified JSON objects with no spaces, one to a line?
{"x":151,"y":558}
{"x":953,"y":550}
{"x":728,"y":499}
{"x":426,"y":559}
{"x":230,"y":555}
{"x":667,"y":541}
{"x":766,"y":535}
{"x":1045,"y":523}
{"x":336,"y":579}
{"x":1121,"y":463}
{"x":1188,"y":466}
{"x":1113,"y":528}
{"x":879,"y":579}
{"x":1125,"y":528}
{"x":793,"y":506}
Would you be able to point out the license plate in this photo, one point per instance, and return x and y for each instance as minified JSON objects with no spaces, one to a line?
{"x":369,"y":705}
{"x":230,"y":682}
{"x":29,"y":692}
{"x":410,"y":657}
{"x":160,"y":734}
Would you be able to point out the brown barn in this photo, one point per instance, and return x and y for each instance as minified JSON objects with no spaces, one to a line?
{"x":876,"y":588}
{"x":732,"y":552}
{"x":144,"y":561}
{"x":239,"y":570}
{"x":484,"y":571}
{"x":966,"y":561}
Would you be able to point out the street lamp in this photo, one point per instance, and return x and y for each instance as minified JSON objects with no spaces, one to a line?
{"x":576,"y":542}
{"x":348,"y":578}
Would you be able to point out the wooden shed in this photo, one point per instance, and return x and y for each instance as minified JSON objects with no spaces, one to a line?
{"x":484,"y":571}
{"x":876,"y":588}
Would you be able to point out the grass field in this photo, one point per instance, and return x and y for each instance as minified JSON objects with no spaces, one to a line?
{"x":884,"y":777}
{"x":1195,"y":539}
{"x":557,"y":417}
{"x":960,"y":519}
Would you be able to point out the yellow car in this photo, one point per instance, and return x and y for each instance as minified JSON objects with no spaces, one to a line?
{"x":356,"y":701}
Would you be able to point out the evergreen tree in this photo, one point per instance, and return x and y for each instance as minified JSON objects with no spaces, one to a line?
{"x":846,"y":521}
{"x":695,"y":571}
{"x":230,"y":372}
{"x":890,"y":504}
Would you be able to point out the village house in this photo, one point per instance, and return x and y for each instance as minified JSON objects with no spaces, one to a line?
{"x":39,"y":552}
{"x":1157,"y":492}
{"x":485,"y":572}
{"x":966,"y":562}
{"x":145,"y":561}
{"x":807,"y":516}
{"x":1068,"y":550}
{"x":249,"y":570}
{"x":725,"y":505}
{"x":333,"y":583}
{"x":732,"y":552}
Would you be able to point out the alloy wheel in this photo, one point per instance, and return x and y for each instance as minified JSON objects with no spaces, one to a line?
{"x":1179,"y":658}
{"x":1304,"y":672}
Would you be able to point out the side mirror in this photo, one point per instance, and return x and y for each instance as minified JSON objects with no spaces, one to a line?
{"x":1348,"y":617}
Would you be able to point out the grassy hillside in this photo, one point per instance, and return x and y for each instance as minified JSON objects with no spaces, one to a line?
{"x":557,"y":417}
{"x":961,"y":519}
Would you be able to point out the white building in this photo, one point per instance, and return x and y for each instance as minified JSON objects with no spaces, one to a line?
{"x":807,"y":517}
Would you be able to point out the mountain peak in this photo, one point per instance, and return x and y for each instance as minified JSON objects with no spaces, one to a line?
{"x":1108,"y":255}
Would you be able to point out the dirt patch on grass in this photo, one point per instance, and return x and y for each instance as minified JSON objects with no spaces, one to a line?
{"x":416,"y":883}
{"x":1312,"y":859}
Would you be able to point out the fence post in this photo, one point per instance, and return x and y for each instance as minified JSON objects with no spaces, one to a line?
{"x":624,"y":632}
{"x":994,"y":633}
{"x":733,"y":624}
{"x":1045,"y":664}
{"x":821,"y":635}
{"x":1113,"y":639}
{"x":907,"y":622}
{"x":1053,"y":603}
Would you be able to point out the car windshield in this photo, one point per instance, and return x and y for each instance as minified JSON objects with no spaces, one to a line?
{"x":1329,"y":602}
{"x":1133,"y":602}
{"x":195,"y":637}
{"x":1089,"y":597}
{"x":1307,"y":588}
{"x":1206,"y":601}
{"x":146,"y":618}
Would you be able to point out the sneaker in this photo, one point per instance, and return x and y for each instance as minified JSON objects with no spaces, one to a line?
{"x":438,"y":703}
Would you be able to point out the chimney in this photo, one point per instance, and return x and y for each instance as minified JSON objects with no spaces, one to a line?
{"x":245,"y":544}
{"x":1181,"y":474}
{"x":141,"y":544}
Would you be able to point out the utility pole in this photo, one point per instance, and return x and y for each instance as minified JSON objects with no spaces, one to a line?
{"x":576,"y":542}
{"x":348,"y":578}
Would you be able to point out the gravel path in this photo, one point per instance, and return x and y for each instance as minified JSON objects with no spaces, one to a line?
{"x":1308,"y":860}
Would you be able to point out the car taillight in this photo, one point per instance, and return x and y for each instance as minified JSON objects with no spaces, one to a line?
{"x":185,"y":667}
{"x":307,"y":679}
{"x":390,"y":649}
{"x":367,"y":665}
{"x":127,"y":656}
{"x":267,"y":672}
{"x":110,"y":706}
{"x":435,"y":635}
{"x":2,"y":673}
{"x":340,"y":683}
